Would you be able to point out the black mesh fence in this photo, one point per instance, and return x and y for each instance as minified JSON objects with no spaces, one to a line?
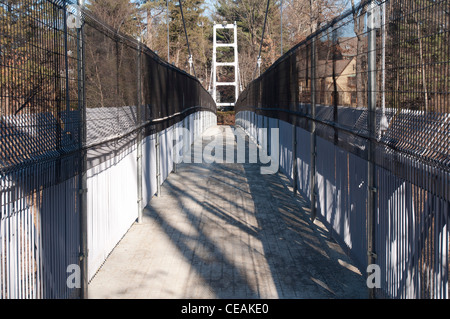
{"x":374,"y":83}
{"x":129,"y":89}
{"x":73,"y":93}
{"x":52,"y":69}
{"x":412,"y":71}
{"x":38,"y":88}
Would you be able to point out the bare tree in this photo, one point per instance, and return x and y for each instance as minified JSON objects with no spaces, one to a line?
{"x":152,"y":13}
{"x":359,"y":23}
{"x":121,"y":15}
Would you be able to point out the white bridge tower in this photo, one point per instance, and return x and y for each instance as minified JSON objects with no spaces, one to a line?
{"x":216,"y":64}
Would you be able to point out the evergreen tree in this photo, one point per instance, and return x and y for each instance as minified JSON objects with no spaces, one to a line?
{"x":121,"y":15}
{"x":29,"y":57}
{"x":249,"y":16}
{"x":417,"y":51}
{"x":199,"y":31}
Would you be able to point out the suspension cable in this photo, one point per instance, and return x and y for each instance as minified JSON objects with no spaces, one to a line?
{"x":262,"y":39}
{"x":187,"y":39}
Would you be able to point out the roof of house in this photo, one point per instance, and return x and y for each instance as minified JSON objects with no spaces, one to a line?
{"x":325,"y":68}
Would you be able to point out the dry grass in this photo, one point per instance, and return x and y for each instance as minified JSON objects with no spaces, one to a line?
{"x":226,"y":118}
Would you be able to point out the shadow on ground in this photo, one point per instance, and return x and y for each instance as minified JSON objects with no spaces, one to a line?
{"x":250,"y":237}
{"x":226,"y":231}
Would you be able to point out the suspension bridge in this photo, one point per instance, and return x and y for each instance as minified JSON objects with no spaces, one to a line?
{"x":117,"y":182}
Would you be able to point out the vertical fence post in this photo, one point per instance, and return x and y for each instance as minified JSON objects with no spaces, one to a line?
{"x":268,"y":135}
{"x":372,"y":87}
{"x":279,"y":143}
{"x":294,"y":159}
{"x":57,"y":101}
{"x":158,"y":165}
{"x":66,"y":62}
{"x":214,"y":61}
{"x":313,"y":132}
{"x":139,"y":137}
{"x":175,"y":133}
{"x":83,"y":156}
{"x":294,"y":99}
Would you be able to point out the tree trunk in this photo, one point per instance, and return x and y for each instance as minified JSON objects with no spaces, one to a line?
{"x":177,"y":59}
{"x":149,"y":30}
{"x":422,"y":66}
{"x":358,"y":20}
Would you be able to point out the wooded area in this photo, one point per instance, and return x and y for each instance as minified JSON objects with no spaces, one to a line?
{"x":148,"y":19}
{"x":35,"y":71}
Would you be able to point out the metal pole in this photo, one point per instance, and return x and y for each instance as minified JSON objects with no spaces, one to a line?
{"x":66,"y":55}
{"x":313,"y":132}
{"x":139,"y":137}
{"x":236,"y":63}
{"x":187,"y":39}
{"x":67,"y":123}
{"x":214,"y":69}
{"x":259,"y":65}
{"x":168,"y":32}
{"x":191,"y":61}
{"x":384,"y":122}
{"x":83,"y":159}
{"x":293,"y":100}
{"x":294,"y":159}
{"x":262,"y":39}
{"x":177,"y":136}
{"x":371,"y":171}
{"x":281,"y":22}
{"x":158,"y":168}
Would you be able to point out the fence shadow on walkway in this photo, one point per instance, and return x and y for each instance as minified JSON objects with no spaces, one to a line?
{"x":246,"y":236}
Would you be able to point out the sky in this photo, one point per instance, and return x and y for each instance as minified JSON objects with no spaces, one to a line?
{"x":209,"y":7}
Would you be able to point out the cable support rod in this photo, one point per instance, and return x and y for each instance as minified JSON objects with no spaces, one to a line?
{"x":187,"y":39}
{"x":262,"y":38}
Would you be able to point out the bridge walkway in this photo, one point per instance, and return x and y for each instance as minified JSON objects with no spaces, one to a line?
{"x":224,"y":231}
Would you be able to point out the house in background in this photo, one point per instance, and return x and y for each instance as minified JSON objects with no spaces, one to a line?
{"x":338,"y":73}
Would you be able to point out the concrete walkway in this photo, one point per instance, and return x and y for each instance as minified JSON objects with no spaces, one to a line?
{"x":226,"y":231}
